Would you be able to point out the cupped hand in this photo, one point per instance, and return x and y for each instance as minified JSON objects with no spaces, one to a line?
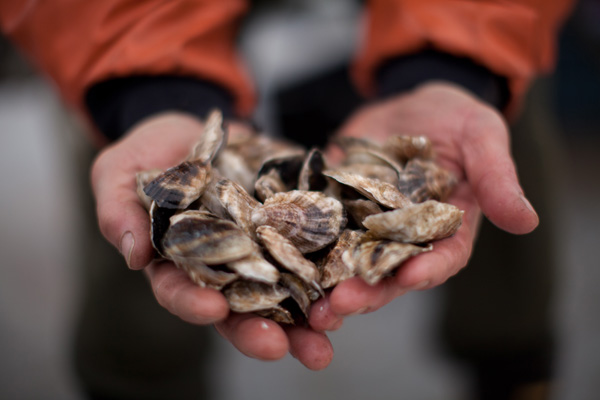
{"x":161,"y":142}
{"x":471,"y":139}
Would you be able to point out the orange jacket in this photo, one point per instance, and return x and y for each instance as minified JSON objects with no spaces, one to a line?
{"x":82,"y":42}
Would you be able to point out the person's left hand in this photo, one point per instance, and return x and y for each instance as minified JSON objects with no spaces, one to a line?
{"x":163,"y":141}
{"x":471,"y":140}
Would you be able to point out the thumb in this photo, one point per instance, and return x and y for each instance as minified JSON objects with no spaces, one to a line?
{"x":159,"y":142}
{"x":491,"y":171}
{"x":121,"y":217}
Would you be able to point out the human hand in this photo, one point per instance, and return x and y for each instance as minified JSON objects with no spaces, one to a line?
{"x":161,"y":142}
{"x":470,"y":139}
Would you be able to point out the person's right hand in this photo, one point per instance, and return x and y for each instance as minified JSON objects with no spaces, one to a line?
{"x":161,"y":142}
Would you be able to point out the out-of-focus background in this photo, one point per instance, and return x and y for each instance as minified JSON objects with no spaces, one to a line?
{"x":43,"y":197}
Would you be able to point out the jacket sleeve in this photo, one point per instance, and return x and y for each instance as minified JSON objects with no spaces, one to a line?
{"x":81,"y":43}
{"x":513,"y":39}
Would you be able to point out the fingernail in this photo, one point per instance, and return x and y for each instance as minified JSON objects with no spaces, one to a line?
{"x":337,"y":325}
{"x":363,"y":310}
{"x":527,"y":204}
{"x":127,"y":244}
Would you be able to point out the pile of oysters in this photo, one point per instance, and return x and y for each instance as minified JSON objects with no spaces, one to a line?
{"x":272,"y":226}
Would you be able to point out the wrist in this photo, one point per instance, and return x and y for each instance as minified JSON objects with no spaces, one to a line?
{"x":117,"y":105}
{"x":407,"y":72}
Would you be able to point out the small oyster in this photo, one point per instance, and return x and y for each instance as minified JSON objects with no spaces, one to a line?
{"x":363,"y":151}
{"x":214,"y":138}
{"x":359,"y":209}
{"x":288,"y":256}
{"x":333,"y":269}
{"x":380,"y":192}
{"x":310,"y":220}
{"x":278,"y":174}
{"x":141,"y":180}
{"x":160,"y":220}
{"x":179,"y":186}
{"x":246,"y":296}
{"x":380,"y":172}
{"x":424,"y":180}
{"x":409,"y":147}
{"x":203,"y":275}
{"x":373,"y":260}
{"x":208,"y":239}
{"x":254,"y":267}
{"x":238,"y":203}
{"x":299,"y":291}
{"x":419,"y":223}
{"x":311,"y":174}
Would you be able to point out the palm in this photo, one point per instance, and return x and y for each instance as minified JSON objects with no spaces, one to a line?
{"x":472,"y":141}
{"x":162,"y":142}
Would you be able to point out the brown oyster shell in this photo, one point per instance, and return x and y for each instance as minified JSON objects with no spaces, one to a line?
{"x":202,"y":274}
{"x":212,"y":141}
{"x":373,"y":260}
{"x":333,"y":269}
{"x":359,"y":209}
{"x":179,"y":186}
{"x":247,"y":296}
{"x":408,"y":147}
{"x":419,"y":223}
{"x":255,"y":268}
{"x":310,"y":220}
{"x":238,"y":203}
{"x":380,"y":192}
{"x":424,"y":180}
{"x":288,"y":256}
{"x":142,"y":179}
{"x":209,"y":239}
{"x":311,"y":174}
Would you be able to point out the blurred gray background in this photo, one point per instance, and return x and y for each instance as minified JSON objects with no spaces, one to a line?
{"x":43,"y":149}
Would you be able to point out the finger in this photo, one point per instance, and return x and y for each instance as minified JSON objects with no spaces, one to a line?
{"x":313,"y":349}
{"x":322,"y":317}
{"x":255,"y":336}
{"x":490,"y":170}
{"x":354,"y":296}
{"x":449,"y":255}
{"x":182,"y":297}
{"x":159,"y":142}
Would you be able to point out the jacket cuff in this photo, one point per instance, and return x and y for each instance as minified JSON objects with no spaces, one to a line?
{"x":118,"y":104}
{"x":406,"y":72}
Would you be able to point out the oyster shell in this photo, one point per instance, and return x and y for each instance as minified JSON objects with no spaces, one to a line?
{"x":211,"y":240}
{"x":359,"y":209}
{"x":142,"y":179}
{"x":278,"y":174}
{"x":419,"y":223}
{"x":311,"y":174}
{"x":408,"y":147}
{"x":380,"y":192}
{"x":333,"y":269}
{"x":373,"y":260}
{"x":246,"y":296}
{"x":160,"y":220}
{"x":179,"y":186}
{"x":238,"y":203}
{"x":212,"y":141}
{"x":310,"y":220}
{"x":203,"y":275}
{"x":424,"y":180}
{"x":363,"y":151}
{"x":254,"y":267}
{"x":288,"y":256}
